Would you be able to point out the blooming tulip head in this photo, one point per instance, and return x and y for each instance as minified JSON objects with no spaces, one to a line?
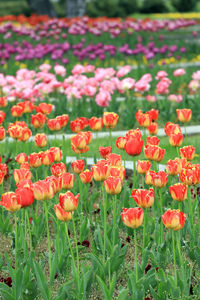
{"x":78,"y":166}
{"x":11,"y":201}
{"x":178,"y":191}
{"x":68,"y":201}
{"x":184,"y":115}
{"x":38,"y":120}
{"x":40,"y":140}
{"x":132,"y":217}
{"x":104,"y":151}
{"x":174,"y":219}
{"x":61,"y":214}
{"x":176,"y":140}
{"x":27,"y":196}
{"x":100,"y":171}
{"x":113,"y":185}
{"x":58,"y":169}
{"x":143,"y":198}
{"x":67,"y":181}
{"x":154,"y":153}
{"x":21,"y":174}
{"x":96,"y":124}
{"x":86,"y":176}
{"x":187,"y":152}
{"x":21,"y":158}
{"x":153,"y":140}
{"x":114,"y":159}
{"x":110,"y":119}
{"x":115,"y":171}
{"x":34,"y":160}
{"x":153,"y":128}
{"x":120,"y":142}
{"x":143,"y":166}
{"x":134,"y":146}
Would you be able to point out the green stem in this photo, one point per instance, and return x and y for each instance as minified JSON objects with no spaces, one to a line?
{"x":29,"y":229}
{"x":104,"y":225}
{"x":144,"y":231}
{"x":161,"y":225}
{"x":136,"y":265}
{"x":110,"y":137}
{"x":77,"y":255}
{"x":114,"y":217}
{"x":16,"y":242}
{"x":48,"y":235}
{"x":143,"y":177}
{"x":70,"y":246}
{"x":134,"y":173}
{"x":174,"y":252}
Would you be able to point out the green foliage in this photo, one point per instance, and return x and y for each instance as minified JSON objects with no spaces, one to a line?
{"x":154,"y":6}
{"x":184,"y":5}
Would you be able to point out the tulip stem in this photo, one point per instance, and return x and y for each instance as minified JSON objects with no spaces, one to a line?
{"x":143,"y":177}
{"x":144,"y":229}
{"x":134,"y":172}
{"x":174,"y":252}
{"x":110,"y":137}
{"x":70,"y":246}
{"x":161,"y":226}
{"x":29,"y":228}
{"x":185,"y":133}
{"x":104,"y":225}
{"x":114,"y":217}
{"x":16,"y":243}
{"x":136,"y":266}
{"x":48,"y":235}
{"x":77,"y":255}
{"x":177,"y":150}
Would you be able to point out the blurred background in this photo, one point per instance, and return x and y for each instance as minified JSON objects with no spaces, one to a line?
{"x":96,"y":8}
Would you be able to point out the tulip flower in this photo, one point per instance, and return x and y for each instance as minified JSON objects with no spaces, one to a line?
{"x":21,"y":158}
{"x":57,"y":153}
{"x":153,"y":140}
{"x":174,"y":219}
{"x":134,"y":146}
{"x":113,"y":185}
{"x":176,"y":140}
{"x":15,"y":131}
{"x":77,"y":125}
{"x":16,"y":111}
{"x":79,"y":141}
{"x":67,"y":181}
{"x":171,"y":128}
{"x":143,"y":198}
{"x":2,"y":133}
{"x":43,"y":190}
{"x":120,"y":142}
{"x":86,"y":176}
{"x":40,"y":140}
{"x":78,"y":166}
{"x":110,"y":119}
{"x":96,"y":124}
{"x":38,"y":120}
{"x":1,"y":177}
{"x":27,"y":106}
{"x":160,"y":179}
{"x":68,"y":201}
{"x":44,"y":108}
{"x":27,"y":196}
{"x":3,"y":101}
{"x":104,"y":151}
{"x":115,"y":171}
{"x":61,"y":214}
{"x":21,"y":174}
{"x":132,"y":217}
{"x":187,"y":152}
{"x":153,"y":114}
{"x":58,"y":169}
{"x":114,"y":159}
{"x":143,"y":166}
{"x":154,"y":153}
{"x":178,"y":192}
{"x":173,"y":167}
{"x":47,"y":158}
{"x":184,"y":115}
{"x":100,"y":172}
{"x":153,"y":128}
{"x":34,"y":160}
{"x":11,"y":201}
{"x":54,"y":124}
{"x":189,"y":176}
{"x":144,"y":119}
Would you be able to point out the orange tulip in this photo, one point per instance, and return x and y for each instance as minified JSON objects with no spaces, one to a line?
{"x":40,"y":140}
{"x":2,"y":133}
{"x":21,"y":174}
{"x":68,"y":201}
{"x":117,"y":172}
{"x":100,"y":172}
{"x":178,"y":191}
{"x":56,"y":182}
{"x":38,"y":120}
{"x":3,"y":101}
{"x":187,"y":152}
{"x":134,"y":133}
{"x":173,"y":167}
{"x":143,"y":166}
{"x":176,"y":140}
{"x":21,"y":158}
{"x":113,"y":185}
{"x":61,"y":214}
{"x":27,"y":106}
{"x":171,"y":128}
{"x":160,"y":179}
{"x":15,"y":131}
{"x":47,"y":158}
{"x":34,"y":160}
{"x":16,"y":111}
{"x":149,"y":177}
{"x":79,"y":141}
{"x":153,"y":128}
{"x":44,"y":108}
{"x":144,"y":119}
{"x":110,"y":119}
{"x":57,"y":153}
{"x":104,"y":151}
{"x":77,"y":125}
{"x":134,"y":146}
{"x":78,"y":166}
{"x":189,"y":176}
{"x":54,"y":124}
{"x":155,"y":153}
{"x":184,"y":115}
{"x":67,"y":181}
{"x":153,"y":140}
{"x":96,"y":124}
{"x":11,"y":201}
{"x":25,"y":166}
{"x":58,"y":169}
{"x":27,"y":196}
{"x":153,"y":113}
{"x":174,"y":219}
{"x":86,"y":176}
{"x":114,"y":159}
{"x":143,"y":198}
{"x":43,"y":190}
{"x":132,"y":217}
{"x":120,"y":142}
{"x":26,"y":134}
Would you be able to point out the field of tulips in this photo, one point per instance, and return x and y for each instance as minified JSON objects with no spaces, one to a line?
{"x":97,"y":201}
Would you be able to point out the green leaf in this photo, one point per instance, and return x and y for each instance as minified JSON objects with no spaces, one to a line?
{"x":19,"y":284}
{"x":104,"y":288}
{"x":41,"y":281}
{"x":123,"y":295}
{"x":5,"y":292}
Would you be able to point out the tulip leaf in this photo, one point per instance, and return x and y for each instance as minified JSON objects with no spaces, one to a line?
{"x":41,"y":281}
{"x":5,"y":292}
{"x":123,"y":295}
{"x":104,"y":288}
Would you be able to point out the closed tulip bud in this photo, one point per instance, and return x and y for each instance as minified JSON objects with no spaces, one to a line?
{"x":79,"y":141}
{"x":144,"y":119}
{"x":57,"y":153}
{"x":173,"y":167}
{"x":153,"y":140}
{"x":27,"y":196}
{"x":114,"y":159}
{"x":149,"y":177}
{"x":178,"y":192}
{"x":176,"y":140}
{"x":21,"y":174}
{"x":104,"y":151}
{"x":16,"y":111}
{"x":67,"y":181}
{"x":43,"y":190}
{"x":143,"y":198}
{"x":34,"y":160}
{"x":47,"y":158}
{"x":68,"y":201}
{"x":40,"y":140}
{"x":153,"y":128}
{"x":100,"y":172}
{"x":2,"y":133}
{"x":38,"y":120}
{"x":143,"y":166}
{"x":58,"y":169}
{"x":117,"y":172}
{"x":187,"y":152}
{"x":120,"y":142}
{"x":154,"y":153}
{"x":134,"y":146}
{"x":113,"y":185}
{"x":21,"y":158}
{"x":174,"y":219}
{"x":78,"y":166}
{"x":61,"y":214}
{"x":56,"y":182}
{"x":86,"y":176}
{"x":132,"y":217}
{"x":96,"y":124}
{"x":26,"y":134}
{"x":110,"y":119}
{"x":11,"y":201}
{"x":184,"y":115}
